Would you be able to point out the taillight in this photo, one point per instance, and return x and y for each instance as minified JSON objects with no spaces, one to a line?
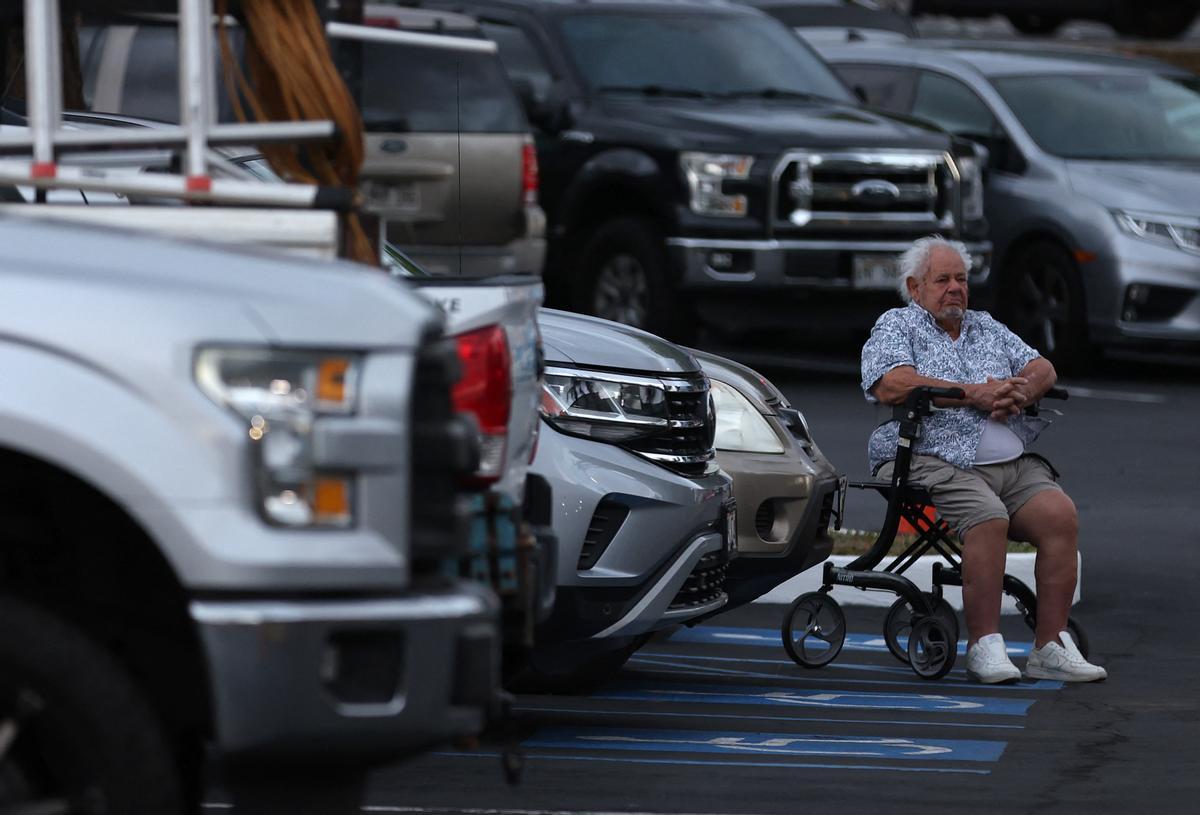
{"x":485,"y":391}
{"x":529,"y":173}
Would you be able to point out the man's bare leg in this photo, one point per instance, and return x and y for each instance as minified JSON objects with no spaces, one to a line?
{"x":1049,"y":521}
{"x":984,"y":552}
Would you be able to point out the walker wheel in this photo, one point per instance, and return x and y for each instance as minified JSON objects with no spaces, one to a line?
{"x":814,"y":629}
{"x":1079,"y":635}
{"x":1074,"y":628}
{"x":897,"y":625}
{"x":931,"y":651}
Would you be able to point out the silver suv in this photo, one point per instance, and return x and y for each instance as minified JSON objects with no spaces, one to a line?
{"x":450,"y":165}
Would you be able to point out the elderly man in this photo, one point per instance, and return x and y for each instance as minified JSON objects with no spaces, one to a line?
{"x":971,"y":456}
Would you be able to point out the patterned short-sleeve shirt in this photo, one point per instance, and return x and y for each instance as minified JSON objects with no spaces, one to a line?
{"x":985,"y":347}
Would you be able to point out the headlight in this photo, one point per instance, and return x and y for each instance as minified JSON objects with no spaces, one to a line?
{"x":740,"y":427}
{"x":705,"y":173}
{"x":604,"y":408}
{"x":970,"y":176}
{"x":280,"y":394}
{"x":1180,"y":231}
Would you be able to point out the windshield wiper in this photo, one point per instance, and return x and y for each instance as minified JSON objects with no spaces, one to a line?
{"x":655,"y":90}
{"x":777,"y":93}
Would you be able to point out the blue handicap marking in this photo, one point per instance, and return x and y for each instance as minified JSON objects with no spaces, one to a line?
{"x":760,"y":744}
{"x":770,"y":637}
{"x":815,"y":699}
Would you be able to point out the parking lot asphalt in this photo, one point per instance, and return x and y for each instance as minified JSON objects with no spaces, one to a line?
{"x":717,"y":719}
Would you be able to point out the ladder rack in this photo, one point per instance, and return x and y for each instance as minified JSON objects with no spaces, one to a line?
{"x":206,"y":177}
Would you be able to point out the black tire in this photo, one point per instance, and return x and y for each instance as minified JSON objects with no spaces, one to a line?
{"x":1079,"y":635}
{"x":814,"y":630}
{"x":624,"y":276}
{"x":1032,"y":23}
{"x":1042,"y":300}
{"x":1027,"y":604}
{"x":897,"y":625}
{"x":931,"y":649}
{"x":85,"y":734}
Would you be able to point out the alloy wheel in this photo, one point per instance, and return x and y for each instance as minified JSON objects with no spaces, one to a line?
{"x":622,"y":291}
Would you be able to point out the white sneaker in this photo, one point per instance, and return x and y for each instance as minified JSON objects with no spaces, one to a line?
{"x":988,"y":662}
{"x":1062,"y":662}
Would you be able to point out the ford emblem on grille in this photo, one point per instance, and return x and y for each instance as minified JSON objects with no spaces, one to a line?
{"x":875,"y":190}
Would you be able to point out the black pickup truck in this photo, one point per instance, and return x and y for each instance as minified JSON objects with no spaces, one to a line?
{"x":697,"y":159}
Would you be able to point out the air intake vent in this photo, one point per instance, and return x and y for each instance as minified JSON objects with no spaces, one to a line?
{"x":606,"y":522}
{"x":764,"y":519}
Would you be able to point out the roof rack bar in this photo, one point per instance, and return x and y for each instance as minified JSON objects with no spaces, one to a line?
{"x":195,"y":86}
{"x":195,"y":135}
{"x":230,"y":135}
{"x":165,"y":185}
{"x":43,"y":79}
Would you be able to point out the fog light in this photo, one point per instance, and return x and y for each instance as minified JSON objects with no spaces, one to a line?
{"x":363,"y":667}
{"x":1138,"y":294}
{"x":728,"y":261}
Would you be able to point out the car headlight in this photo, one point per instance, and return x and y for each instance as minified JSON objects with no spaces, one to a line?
{"x":603,"y":407}
{"x":970,"y":179}
{"x":740,"y":427}
{"x":281,"y":394}
{"x":706,"y":173}
{"x":1181,"y":231}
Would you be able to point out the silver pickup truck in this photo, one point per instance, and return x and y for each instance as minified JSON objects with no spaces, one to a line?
{"x":229,"y":481}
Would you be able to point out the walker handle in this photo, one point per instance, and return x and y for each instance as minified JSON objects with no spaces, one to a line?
{"x":946,"y":393}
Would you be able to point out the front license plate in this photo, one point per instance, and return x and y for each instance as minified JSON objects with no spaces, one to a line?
{"x":731,"y":545}
{"x":874,"y":271}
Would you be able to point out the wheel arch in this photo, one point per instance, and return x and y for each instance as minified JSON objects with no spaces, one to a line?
{"x":71,"y":549}
{"x":615,"y":183}
{"x":1041,"y":233}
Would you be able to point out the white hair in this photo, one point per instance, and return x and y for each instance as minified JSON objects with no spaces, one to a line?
{"x":915,"y":260}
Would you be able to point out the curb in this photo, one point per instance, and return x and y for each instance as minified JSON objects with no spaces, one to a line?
{"x":1019,"y":565}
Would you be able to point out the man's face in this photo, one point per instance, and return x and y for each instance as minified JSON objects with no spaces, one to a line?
{"x":942,"y":290}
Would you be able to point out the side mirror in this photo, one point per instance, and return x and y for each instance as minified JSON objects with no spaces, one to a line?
{"x":549,"y":114}
{"x":1003,"y":155}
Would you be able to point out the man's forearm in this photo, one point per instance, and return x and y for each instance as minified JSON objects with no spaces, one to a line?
{"x":1041,"y":377}
{"x":895,"y":386}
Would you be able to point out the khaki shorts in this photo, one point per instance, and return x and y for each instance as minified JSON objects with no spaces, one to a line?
{"x":984,"y":493}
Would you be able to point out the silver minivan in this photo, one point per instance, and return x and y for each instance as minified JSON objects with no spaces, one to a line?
{"x":1092,"y":189}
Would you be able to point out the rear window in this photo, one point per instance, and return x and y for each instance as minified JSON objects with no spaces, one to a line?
{"x":413,"y":89}
{"x":151,"y":87}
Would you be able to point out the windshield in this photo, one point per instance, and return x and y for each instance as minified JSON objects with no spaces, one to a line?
{"x":696,"y":55}
{"x":406,"y":89}
{"x":1118,"y":117}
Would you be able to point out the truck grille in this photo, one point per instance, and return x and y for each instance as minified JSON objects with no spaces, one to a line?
{"x":444,"y":449}
{"x":853,"y":191}
{"x":686,"y":444}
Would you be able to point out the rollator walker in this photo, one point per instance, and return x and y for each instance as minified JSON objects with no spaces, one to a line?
{"x":921,"y":628}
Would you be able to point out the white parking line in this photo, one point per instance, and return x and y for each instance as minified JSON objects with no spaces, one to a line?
{"x":1116,"y":396}
{"x":507,"y":811}
{"x":459,"y":811}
